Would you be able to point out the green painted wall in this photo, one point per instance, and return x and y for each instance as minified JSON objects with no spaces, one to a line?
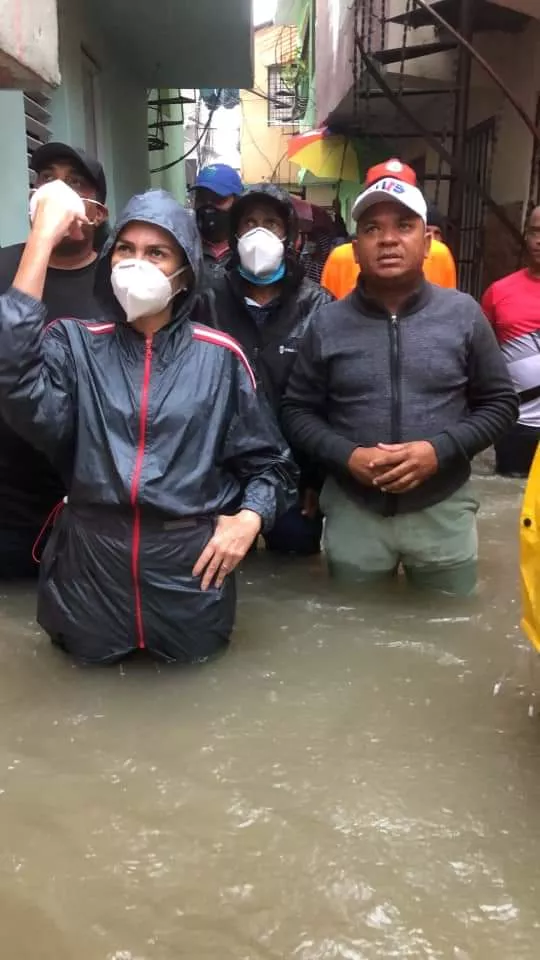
{"x":13,"y":165}
{"x":173,"y":179}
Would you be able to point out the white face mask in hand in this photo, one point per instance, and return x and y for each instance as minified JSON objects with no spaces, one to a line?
{"x":63,"y":195}
{"x":141,"y":288}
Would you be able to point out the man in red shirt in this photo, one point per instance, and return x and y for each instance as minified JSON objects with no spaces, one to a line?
{"x":512,"y":305}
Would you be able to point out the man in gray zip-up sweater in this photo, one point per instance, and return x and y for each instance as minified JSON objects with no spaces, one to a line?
{"x":395,"y":389}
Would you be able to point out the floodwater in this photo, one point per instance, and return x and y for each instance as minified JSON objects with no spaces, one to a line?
{"x":343,"y":784}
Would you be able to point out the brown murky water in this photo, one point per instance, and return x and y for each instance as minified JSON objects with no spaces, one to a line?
{"x":343,"y":784}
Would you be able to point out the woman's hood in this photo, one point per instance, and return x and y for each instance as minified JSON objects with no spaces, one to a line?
{"x":157,"y":207}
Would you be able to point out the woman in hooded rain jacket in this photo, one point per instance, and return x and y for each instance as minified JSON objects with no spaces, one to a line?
{"x":172,"y":468}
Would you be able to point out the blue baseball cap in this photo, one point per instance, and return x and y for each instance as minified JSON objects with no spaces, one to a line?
{"x":220,"y":179}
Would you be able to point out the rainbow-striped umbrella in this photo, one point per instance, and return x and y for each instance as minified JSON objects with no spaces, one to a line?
{"x":327,"y":155}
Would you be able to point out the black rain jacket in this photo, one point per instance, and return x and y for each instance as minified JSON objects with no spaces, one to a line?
{"x":155,"y":438}
{"x":271,"y":346}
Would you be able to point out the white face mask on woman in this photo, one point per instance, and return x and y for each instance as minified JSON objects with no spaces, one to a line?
{"x":141,"y":288}
{"x":261,"y":253}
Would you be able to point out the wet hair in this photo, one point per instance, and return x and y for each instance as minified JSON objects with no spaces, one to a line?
{"x":435,"y":217}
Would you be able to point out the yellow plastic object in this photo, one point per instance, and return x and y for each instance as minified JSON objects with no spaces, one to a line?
{"x":530,"y":555}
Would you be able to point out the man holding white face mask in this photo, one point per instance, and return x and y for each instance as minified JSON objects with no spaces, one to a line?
{"x":29,"y":487}
{"x":265,"y":302}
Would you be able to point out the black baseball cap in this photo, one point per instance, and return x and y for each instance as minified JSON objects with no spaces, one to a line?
{"x":91,"y":168}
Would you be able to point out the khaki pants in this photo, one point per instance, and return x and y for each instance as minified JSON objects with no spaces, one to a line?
{"x":438,"y":546}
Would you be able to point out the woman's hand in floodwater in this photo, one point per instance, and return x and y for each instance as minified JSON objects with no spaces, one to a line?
{"x":232,"y":539}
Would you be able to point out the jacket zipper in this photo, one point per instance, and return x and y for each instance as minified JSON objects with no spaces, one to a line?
{"x":135,"y":484}
{"x":395,"y":379}
{"x":395,"y":387}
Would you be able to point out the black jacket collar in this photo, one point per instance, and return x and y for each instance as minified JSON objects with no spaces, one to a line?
{"x":419,"y":299}
{"x":289,"y":286}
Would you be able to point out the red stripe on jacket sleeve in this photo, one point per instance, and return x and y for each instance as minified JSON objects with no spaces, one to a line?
{"x":228,"y":343}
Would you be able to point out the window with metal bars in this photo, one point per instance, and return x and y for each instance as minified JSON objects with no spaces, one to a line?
{"x":281,"y":98}
{"x":37,"y":121}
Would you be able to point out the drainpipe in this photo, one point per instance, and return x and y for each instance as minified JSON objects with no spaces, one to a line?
{"x":463,"y":84}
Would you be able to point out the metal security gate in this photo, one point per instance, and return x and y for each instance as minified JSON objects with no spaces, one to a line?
{"x":479,"y":145}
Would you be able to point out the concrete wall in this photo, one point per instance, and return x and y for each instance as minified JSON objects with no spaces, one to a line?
{"x":263,"y":147}
{"x":23,"y":61}
{"x":13,"y":164}
{"x":516,"y":59}
{"x":183,"y":43}
{"x":522,"y":6}
{"x":333,"y":55}
{"x":439,"y":66}
{"x":121,"y":98}
{"x":121,"y":121}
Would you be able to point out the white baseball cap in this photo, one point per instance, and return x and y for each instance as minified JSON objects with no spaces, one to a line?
{"x":391,"y":189}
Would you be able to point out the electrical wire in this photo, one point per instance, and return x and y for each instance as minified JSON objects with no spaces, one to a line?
{"x":277,"y":166}
{"x":247,"y":128}
{"x":173,"y":163}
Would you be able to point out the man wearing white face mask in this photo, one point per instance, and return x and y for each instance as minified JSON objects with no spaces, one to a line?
{"x":265,"y":302}
{"x":29,"y":486}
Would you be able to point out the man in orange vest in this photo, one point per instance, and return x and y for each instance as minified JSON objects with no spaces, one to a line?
{"x":341,"y":270}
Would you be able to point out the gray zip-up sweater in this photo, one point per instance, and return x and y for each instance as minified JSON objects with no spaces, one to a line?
{"x":362,"y":377}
